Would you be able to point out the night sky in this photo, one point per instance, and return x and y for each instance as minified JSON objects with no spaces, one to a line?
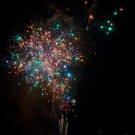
{"x":105,"y":99}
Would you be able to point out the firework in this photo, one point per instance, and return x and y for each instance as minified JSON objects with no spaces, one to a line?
{"x":44,"y":57}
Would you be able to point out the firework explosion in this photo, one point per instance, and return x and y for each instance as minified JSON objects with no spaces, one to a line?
{"x":44,"y":56}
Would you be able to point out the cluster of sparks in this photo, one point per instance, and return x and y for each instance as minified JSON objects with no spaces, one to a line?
{"x":44,"y":57}
{"x":104,"y":23}
{"x":107,"y":26}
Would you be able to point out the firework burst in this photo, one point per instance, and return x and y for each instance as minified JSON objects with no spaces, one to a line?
{"x":44,"y":56}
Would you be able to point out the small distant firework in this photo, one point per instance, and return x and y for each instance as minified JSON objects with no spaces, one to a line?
{"x":105,"y":23}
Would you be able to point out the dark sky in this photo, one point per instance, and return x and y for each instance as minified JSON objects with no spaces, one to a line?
{"x":105,"y":93}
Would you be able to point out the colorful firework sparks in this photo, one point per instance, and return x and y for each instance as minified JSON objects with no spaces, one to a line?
{"x":105,"y":23}
{"x":44,"y":57}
